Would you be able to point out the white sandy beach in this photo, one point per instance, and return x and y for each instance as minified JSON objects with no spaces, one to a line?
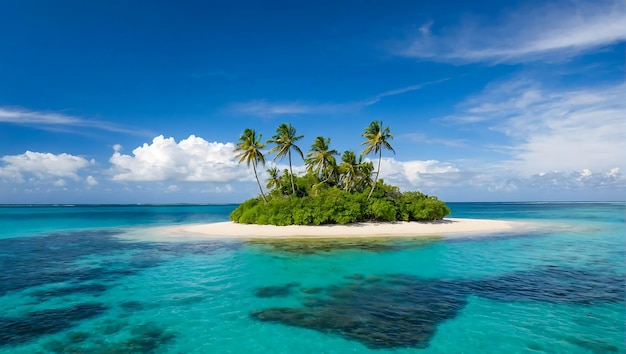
{"x":450,"y":227}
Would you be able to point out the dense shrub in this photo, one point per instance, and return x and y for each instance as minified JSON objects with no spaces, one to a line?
{"x":420,"y":207}
{"x":383,"y":210}
{"x":319,"y":206}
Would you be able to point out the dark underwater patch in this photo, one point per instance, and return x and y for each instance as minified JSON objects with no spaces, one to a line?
{"x":145,"y":338}
{"x":275,"y":290}
{"x":18,"y":330}
{"x":198,"y":247}
{"x":112,"y":326}
{"x":77,"y":337}
{"x":83,"y":289}
{"x":52,"y":259}
{"x":593,"y":345}
{"x":132,"y":306}
{"x":396,"y":311}
{"x":399,"y":311}
{"x":354,"y":276}
{"x":312,"y":291}
{"x":554,"y":285}
{"x":54,"y":265}
{"x":307,"y":246}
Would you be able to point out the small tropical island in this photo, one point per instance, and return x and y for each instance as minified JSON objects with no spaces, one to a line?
{"x":330,"y":192}
{"x":332,"y":199}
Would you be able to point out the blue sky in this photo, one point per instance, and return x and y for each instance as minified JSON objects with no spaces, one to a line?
{"x":142,"y":101}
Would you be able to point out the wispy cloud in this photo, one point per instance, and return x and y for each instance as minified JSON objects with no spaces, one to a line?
{"x":400,"y":91}
{"x":263,"y":108}
{"x":553,"y":130}
{"x":555,"y":32}
{"x":422,"y":138}
{"x":59,"y":122}
{"x":425,"y":28}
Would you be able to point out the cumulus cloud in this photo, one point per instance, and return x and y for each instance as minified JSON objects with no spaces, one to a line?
{"x":412,"y":173}
{"x":42,"y":166}
{"x":553,"y":31}
{"x":486,"y":181}
{"x":573,"y":180}
{"x":553,"y":130}
{"x":91,"y":181}
{"x":190,"y":160}
{"x":449,"y":180}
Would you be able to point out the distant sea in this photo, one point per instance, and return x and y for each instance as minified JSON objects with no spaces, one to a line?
{"x":72,"y":281}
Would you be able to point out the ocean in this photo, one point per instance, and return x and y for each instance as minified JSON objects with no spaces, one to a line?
{"x":73,"y":281}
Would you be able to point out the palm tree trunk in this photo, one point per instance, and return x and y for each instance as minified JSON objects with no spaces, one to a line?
{"x":380,"y":155}
{"x":258,"y":182}
{"x":293,"y":186}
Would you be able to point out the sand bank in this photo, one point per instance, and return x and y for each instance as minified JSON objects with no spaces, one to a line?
{"x":447,"y":227}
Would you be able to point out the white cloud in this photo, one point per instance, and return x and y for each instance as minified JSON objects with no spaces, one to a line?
{"x":91,"y":181}
{"x":490,"y":181}
{"x":48,"y":120}
{"x":554,"y":31}
{"x":562,"y":130}
{"x":422,"y":138}
{"x":226,"y":189}
{"x":400,"y":91}
{"x":411,"y":173}
{"x":575,"y":180}
{"x":425,"y":28}
{"x":190,"y":160}
{"x":451,"y":181}
{"x":222,"y":189}
{"x":262,"y":108}
{"x":42,"y":165}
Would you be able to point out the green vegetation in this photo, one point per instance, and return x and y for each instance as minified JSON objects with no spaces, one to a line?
{"x":285,"y":139}
{"x":249,"y":150}
{"x":377,"y":139}
{"x":329,"y":193}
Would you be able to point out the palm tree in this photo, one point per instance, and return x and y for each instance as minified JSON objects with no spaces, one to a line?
{"x":348,"y":170}
{"x":249,"y":148}
{"x":285,"y":181}
{"x":274,"y":180}
{"x":320,"y":160}
{"x":377,"y":138}
{"x":364,"y":174}
{"x":285,"y":139}
{"x":355,"y":174}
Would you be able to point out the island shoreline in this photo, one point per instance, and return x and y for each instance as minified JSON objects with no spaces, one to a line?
{"x":448,"y":227}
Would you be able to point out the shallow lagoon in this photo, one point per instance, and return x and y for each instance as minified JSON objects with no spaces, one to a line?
{"x":69,"y":284}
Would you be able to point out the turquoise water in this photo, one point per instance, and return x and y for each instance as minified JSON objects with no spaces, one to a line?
{"x":69,"y":284}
